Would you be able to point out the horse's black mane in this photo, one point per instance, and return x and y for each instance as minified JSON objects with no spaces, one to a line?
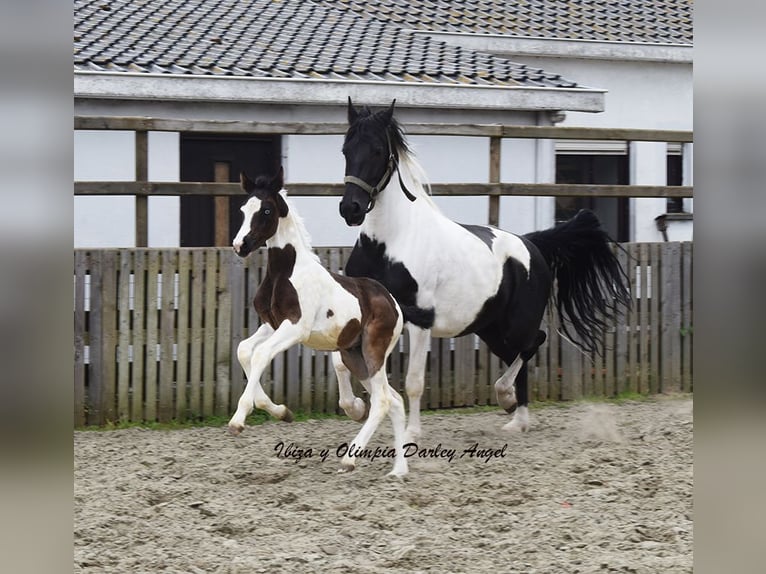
{"x":369,"y":122}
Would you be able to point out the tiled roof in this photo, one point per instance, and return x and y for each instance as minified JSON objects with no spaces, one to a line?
{"x":650,"y":21}
{"x":278,"y":39}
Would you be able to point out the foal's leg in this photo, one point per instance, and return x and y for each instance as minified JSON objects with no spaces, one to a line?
{"x":415,"y":381}
{"x":398,"y":417}
{"x":379,"y":405}
{"x":246,"y":347}
{"x":287,"y":335}
{"x":354,"y":407}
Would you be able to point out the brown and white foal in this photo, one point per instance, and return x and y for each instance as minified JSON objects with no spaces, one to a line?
{"x":299,"y":301}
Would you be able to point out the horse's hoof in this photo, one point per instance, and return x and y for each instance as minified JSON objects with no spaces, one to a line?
{"x":397,"y":473}
{"x":288,"y":416}
{"x":345,"y":467}
{"x":235,"y":430}
{"x":516,"y":426}
{"x":511,"y":409}
{"x":365,"y":415}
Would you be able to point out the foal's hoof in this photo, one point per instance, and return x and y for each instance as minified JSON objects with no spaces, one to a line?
{"x":512,"y":408}
{"x":288,"y":416}
{"x":235,"y":430}
{"x":366,"y":414}
{"x":346,"y":467}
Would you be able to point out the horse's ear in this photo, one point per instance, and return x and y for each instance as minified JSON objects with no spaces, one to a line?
{"x":247,"y":184}
{"x":389,"y":113}
{"x":352,"y":113}
{"x":278,"y":181}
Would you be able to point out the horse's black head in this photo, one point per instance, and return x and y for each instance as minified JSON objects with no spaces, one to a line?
{"x":373,"y":142}
{"x":262,"y":211}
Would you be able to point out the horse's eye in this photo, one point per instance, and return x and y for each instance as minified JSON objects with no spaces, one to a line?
{"x":267,"y":211}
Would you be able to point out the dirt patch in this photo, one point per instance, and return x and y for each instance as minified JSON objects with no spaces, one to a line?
{"x":591,"y":488}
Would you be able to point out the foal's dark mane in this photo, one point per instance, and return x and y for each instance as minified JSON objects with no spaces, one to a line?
{"x":369,"y":123}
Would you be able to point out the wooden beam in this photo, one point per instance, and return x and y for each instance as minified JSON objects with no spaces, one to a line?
{"x":336,"y":189}
{"x":142,"y":201}
{"x":334,"y":128}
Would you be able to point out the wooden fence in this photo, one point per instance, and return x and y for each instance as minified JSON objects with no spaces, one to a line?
{"x":156,"y":333}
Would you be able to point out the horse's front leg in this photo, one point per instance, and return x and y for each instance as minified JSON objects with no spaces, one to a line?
{"x":287,"y":335}
{"x":353,"y":406}
{"x":416,"y":367}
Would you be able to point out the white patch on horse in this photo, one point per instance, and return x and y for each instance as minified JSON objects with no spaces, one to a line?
{"x":251,"y":207}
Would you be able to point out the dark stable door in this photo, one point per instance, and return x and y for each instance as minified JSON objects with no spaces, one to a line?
{"x":203,"y":156}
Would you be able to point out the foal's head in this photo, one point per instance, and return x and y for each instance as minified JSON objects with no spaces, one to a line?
{"x":371,"y":147}
{"x":262,"y":211}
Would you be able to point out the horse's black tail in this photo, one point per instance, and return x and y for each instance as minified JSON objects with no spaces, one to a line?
{"x":592,"y":286}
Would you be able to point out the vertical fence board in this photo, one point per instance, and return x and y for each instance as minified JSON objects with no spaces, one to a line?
{"x":109,"y":335}
{"x":238,"y":312}
{"x":138,"y":336}
{"x":643,"y":320}
{"x":671,"y":313}
{"x":95,"y":320}
{"x":447,"y":382}
{"x":632,"y":334}
{"x":223,"y":335}
{"x":434,"y":370}
{"x":292,"y":375}
{"x":654,"y":318}
{"x":482,"y":374}
{"x":183,"y":338}
{"x":80,"y":270}
{"x":152,"y":303}
{"x":165,"y":395}
{"x":687,"y":318}
{"x":123,"y":334}
{"x":307,"y":382}
{"x":554,"y":342}
{"x":209,"y":333}
{"x":621,"y":335}
{"x":196,"y":333}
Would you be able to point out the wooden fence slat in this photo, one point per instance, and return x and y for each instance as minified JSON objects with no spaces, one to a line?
{"x":238,"y":302}
{"x":643,"y":321}
{"x":543,"y":375}
{"x":80,"y":270}
{"x":138,"y":336}
{"x":633,"y":332}
{"x":196,"y":333}
{"x":95,"y":347}
{"x":183,"y":338}
{"x":223,"y":353}
{"x":152,"y":316}
{"x":166,"y":404}
{"x":109,"y":335}
{"x":687,"y":317}
{"x":307,"y":382}
{"x":123,"y":343}
{"x":482,"y":374}
{"x":655,"y":384}
{"x":622,"y":336}
{"x":209,"y":333}
{"x":434,"y":377}
{"x":447,"y":373}
{"x":292,"y":376}
{"x":554,"y":342}
{"x":671,"y":313}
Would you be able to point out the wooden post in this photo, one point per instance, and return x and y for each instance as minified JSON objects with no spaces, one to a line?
{"x":494,"y":177}
{"x":221,"y":175}
{"x":142,"y":201}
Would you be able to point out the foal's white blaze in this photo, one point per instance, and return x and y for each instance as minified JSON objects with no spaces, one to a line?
{"x":251,"y":207}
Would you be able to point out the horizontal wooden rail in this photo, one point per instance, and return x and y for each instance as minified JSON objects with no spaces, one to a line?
{"x":140,"y":188}
{"x":302,"y":128}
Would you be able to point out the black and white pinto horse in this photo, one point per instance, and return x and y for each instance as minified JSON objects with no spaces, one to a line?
{"x":299,"y":301}
{"x":451,"y":279}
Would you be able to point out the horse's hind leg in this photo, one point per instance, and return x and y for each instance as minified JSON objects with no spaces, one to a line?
{"x":398,"y":418}
{"x":353,"y":406}
{"x":520,"y":420}
{"x":380,"y":402}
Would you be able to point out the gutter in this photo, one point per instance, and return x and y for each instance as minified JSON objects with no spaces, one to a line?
{"x":309,"y":91}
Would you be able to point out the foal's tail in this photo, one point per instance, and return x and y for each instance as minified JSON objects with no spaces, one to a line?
{"x":592,"y":286}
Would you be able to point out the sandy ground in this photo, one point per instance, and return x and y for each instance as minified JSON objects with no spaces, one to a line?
{"x":592,"y":487}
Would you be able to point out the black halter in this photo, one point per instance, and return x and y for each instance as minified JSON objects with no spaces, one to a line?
{"x":374,"y":190}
